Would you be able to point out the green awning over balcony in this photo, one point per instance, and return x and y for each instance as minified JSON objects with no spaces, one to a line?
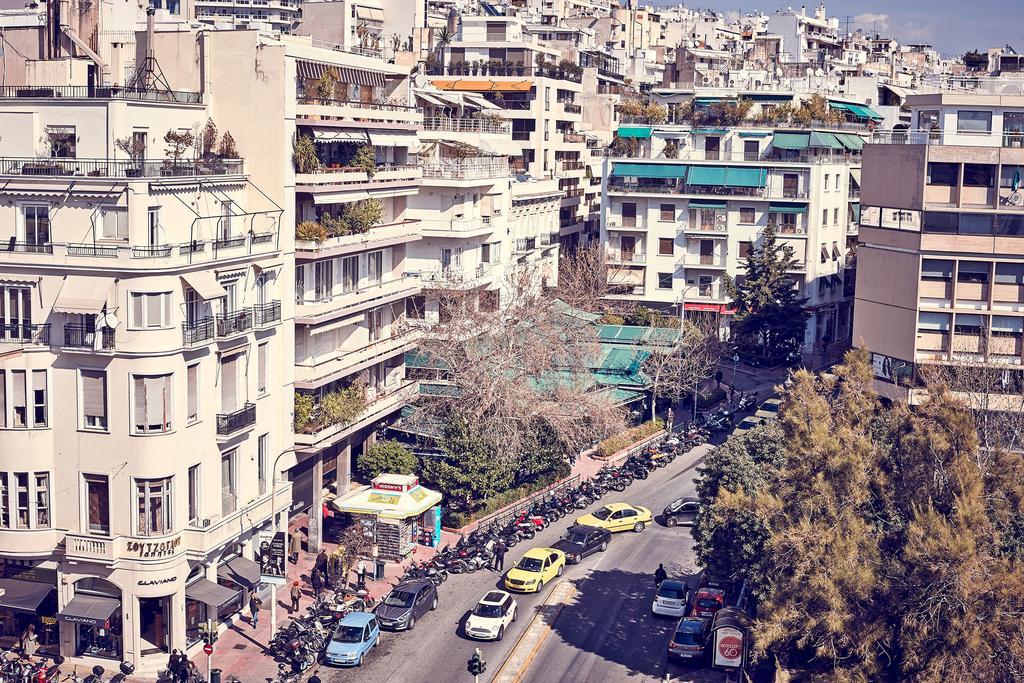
{"x":707,"y":175}
{"x":787,"y":208}
{"x":638,"y":170}
{"x":709,"y":131}
{"x":634,"y":132}
{"x":736,"y":176}
{"x":783,"y":140}
{"x":851,"y":142}
{"x":856,"y":212}
{"x":829,"y":140}
{"x":755,"y":133}
{"x":860,"y":111}
{"x":706,"y":204}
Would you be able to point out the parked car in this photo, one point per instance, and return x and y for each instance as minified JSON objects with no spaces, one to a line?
{"x":406,"y":603}
{"x":748,"y":423}
{"x":579,"y":541}
{"x":681,"y":511}
{"x":769,"y":410}
{"x":671,"y":600}
{"x":491,"y":616}
{"x":690,"y":638}
{"x":534,"y":569}
{"x":618,"y":517}
{"x":353,"y":637}
{"x":707,"y":602}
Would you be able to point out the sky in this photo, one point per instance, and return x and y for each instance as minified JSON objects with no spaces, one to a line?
{"x":951,"y":26}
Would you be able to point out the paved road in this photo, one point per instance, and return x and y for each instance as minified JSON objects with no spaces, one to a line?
{"x":605,"y":633}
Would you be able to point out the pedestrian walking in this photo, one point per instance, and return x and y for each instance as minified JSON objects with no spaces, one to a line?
{"x":295,"y":547}
{"x":320,"y":564}
{"x":361,"y":576}
{"x":660,"y":575}
{"x":499,"y":556}
{"x":175,"y":666}
{"x":29,"y":641}
{"x":718,"y":378}
{"x":317,"y":581}
{"x":295,"y":594}
{"x":732,"y":392}
{"x":254,"y":609}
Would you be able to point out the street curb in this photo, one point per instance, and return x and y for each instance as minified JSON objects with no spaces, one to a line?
{"x":533,"y":637}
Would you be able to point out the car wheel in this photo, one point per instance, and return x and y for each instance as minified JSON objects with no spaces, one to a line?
{"x":540,"y":585}
{"x":359,"y":662}
{"x":671,"y":521}
{"x":604,"y":546}
{"x":560,"y":569}
{"x":501,"y":633}
{"x":515,"y":614}
{"x":412,"y":622}
{"x":576,"y":559}
{"x":638,"y":527}
{"x":376,"y":641}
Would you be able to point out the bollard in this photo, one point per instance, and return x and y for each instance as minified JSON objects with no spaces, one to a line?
{"x":215,"y":676}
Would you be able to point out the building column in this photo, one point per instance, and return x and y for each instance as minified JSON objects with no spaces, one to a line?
{"x":176,"y":630}
{"x":316,"y":509}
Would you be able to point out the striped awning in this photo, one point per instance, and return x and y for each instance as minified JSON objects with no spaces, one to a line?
{"x":346,"y":74}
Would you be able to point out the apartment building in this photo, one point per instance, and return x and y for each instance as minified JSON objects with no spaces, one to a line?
{"x":940,"y":266}
{"x":283,"y":16}
{"x":141,"y":405}
{"x":684,"y":209}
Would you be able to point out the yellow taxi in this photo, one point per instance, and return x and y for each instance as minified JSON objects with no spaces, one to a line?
{"x":618,"y":517}
{"x":534,"y":569}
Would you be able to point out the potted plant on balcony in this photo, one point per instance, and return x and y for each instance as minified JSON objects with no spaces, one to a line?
{"x":178,"y":142}
{"x":135,"y":149}
{"x":304,"y":155}
{"x":311,"y":231}
{"x":520,"y":68}
{"x":365,"y":159}
{"x":326,"y":86}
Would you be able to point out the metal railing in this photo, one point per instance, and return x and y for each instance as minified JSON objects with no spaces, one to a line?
{"x":267,"y":314}
{"x":473,"y":168}
{"x":574,"y":138}
{"x":229,"y":423}
{"x":235,"y":322}
{"x":152,"y":251}
{"x":459,"y":224}
{"x":469,"y":69}
{"x":25,"y":333}
{"x":101,"y":250}
{"x":941,"y":137}
{"x":197,"y":331}
{"x":626,"y":257}
{"x":118,"y":168}
{"x":113,"y":92}
{"x":479,"y":125}
{"x":27,"y":247}
{"x":228,"y":242}
{"x":85,"y":337}
{"x":572,"y":165}
{"x":359,"y":104}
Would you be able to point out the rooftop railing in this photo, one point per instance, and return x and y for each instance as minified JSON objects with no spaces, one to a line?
{"x":118,"y":168}
{"x":965,"y":138}
{"x":481,"y":125}
{"x":112,"y":92}
{"x":467,"y":169}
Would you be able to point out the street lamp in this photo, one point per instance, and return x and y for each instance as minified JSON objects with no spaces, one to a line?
{"x":273,"y":533}
{"x":682,"y":310}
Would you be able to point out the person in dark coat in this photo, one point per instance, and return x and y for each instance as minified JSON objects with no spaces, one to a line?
{"x":316,"y":580}
{"x":320,"y":564}
{"x":295,"y":547}
{"x":660,"y":575}
{"x":254,"y":609}
{"x":499,"y":556}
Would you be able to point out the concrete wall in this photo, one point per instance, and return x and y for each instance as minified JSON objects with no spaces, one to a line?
{"x":894,"y":176}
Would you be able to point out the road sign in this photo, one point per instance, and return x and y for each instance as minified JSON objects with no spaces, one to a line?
{"x":728,"y":647}
{"x":208,"y":649}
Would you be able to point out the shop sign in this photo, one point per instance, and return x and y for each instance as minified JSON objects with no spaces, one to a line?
{"x":271,"y":558}
{"x":48,"y":621}
{"x":417,"y":494}
{"x":155,"y":549}
{"x":158,"y":582}
{"x":891,"y":369}
{"x":383,"y":498}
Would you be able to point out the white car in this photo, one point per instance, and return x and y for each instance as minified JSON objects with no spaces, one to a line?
{"x":491,"y":616}
{"x":671,"y":600}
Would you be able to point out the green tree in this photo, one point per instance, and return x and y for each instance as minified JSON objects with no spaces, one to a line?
{"x":770,"y":318}
{"x":975,"y":61}
{"x":389,"y":457}
{"x":466,"y":471}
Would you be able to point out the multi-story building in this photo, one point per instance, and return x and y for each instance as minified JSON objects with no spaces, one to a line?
{"x":940,"y":265}
{"x":274,"y":15}
{"x":141,"y":406}
{"x":688,"y":204}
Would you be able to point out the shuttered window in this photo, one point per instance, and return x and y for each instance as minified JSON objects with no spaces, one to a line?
{"x":3,"y":399}
{"x":114,"y":223}
{"x":261,"y":370}
{"x":229,"y":385}
{"x":19,"y":399}
{"x":94,"y":399}
{"x":152,"y":399}
{"x":192,"y":380}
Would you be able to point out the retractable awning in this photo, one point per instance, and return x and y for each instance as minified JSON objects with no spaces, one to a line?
{"x":707,"y":175}
{"x":210,"y":593}
{"x":240,"y":570}
{"x":736,"y":176}
{"x":23,"y":596}
{"x":479,"y":101}
{"x":18,"y":279}
{"x":313,"y":70}
{"x":476,"y":85}
{"x":94,"y":610}
{"x":859,"y":111}
{"x":394,"y":138}
{"x":787,"y":208}
{"x":625,"y":276}
{"x":783,"y":140}
{"x":639,"y":170}
{"x":325,"y":134}
{"x":851,"y":142}
{"x":706,"y":204}
{"x":828,"y":140}
{"x":641,"y":132}
{"x":430,"y":99}
{"x":205,"y":285}
{"x":754,"y":133}
{"x":337,"y":324}
{"x":82,"y":294}
{"x":709,"y":131}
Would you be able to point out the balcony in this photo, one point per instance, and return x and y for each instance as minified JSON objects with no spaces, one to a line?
{"x":525,"y":244}
{"x":379,"y":403}
{"x":458,"y":227}
{"x":507,"y":71}
{"x":118,"y":168}
{"x":473,"y":168}
{"x":266,"y":314}
{"x":234,"y":323}
{"x":376,"y":237}
{"x":313,"y":310}
{"x":230,"y":423}
{"x":626,"y":257}
{"x":25,"y":334}
{"x":704,"y":260}
{"x":483,"y":125}
{"x":574,"y":138}
{"x":88,"y":337}
{"x":572,"y":108}
{"x":788,"y":228}
{"x":337,"y":179}
{"x":1013,"y":139}
{"x":197,"y":331}
{"x":321,"y":369}
{"x":615,"y":226}
{"x":26,"y":247}
{"x":570,"y":165}
{"x":88,"y":92}
{"x":310,"y":109}
{"x":456,"y":277}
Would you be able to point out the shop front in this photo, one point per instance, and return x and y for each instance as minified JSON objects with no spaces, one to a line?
{"x":94,"y":617}
{"x":29,"y":599}
{"x":396,"y":511}
{"x":241,"y":575}
{"x":205,"y":603}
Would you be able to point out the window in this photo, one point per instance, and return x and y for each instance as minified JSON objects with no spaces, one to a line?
{"x":745,"y":249}
{"x":62,"y":141}
{"x":375,"y":323}
{"x":42,"y":499}
{"x":414,"y":307}
{"x":193,"y":494}
{"x":349,"y":274}
{"x":3,"y":399}
{"x":947,"y":175}
{"x":19,"y":400}
{"x":261,"y":368}
{"x":704,"y":283}
{"x":113,"y":223}
{"x":969,"y":324}
{"x":97,"y":503}
{"x":151,"y":310}
{"x":629,"y":214}
{"x":5,"y":509}
{"x":937,"y":221}
{"x":928,"y":120}
{"x":972,"y":271}
{"x":666,"y":245}
{"x":39,"y":398}
{"x":827,"y":176}
{"x":153,"y":226}
{"x":35,"y":224}
{"x":192,"y":389}
{"x":261,"y":463}
{"x":979,"y":175}
{"x":323,"y":279}
{"x":824,"y":217}
{"x":485,"y":253}
{"x":15,"y":312}
{"x":1009,"y":274}
{"x":21,"y":499}
{"x":664,"y":280}
{"x":232,"y":386}
{"x":375,"y":267}
{"x":94,"y":399}
{"x":975,"y":224}
{"x":747,"y":215}
{"x":152,"y":403}
{"x":153,"y":505}
{"x":668,"y":212}
{"x":973,"y":121}
{"x":835,"y":216}
{"x":936,"y":269}
{"x":227,"y":482}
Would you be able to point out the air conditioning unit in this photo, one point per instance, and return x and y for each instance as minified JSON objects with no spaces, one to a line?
{"x":1016,"y":199}
{"x":205,"y":522}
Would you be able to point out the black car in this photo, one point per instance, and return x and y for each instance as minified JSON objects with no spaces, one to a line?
{"x":406,"y":603}
{"x":579,"y":541}
{"x":681,"y":511}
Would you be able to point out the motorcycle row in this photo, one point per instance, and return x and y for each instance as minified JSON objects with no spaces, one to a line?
{"x":721,"y":420}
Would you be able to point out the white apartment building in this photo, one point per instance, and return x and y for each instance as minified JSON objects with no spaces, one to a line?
{"x":688,"y":207}
{"x":141,"y":406}
{"x":283,"y":16}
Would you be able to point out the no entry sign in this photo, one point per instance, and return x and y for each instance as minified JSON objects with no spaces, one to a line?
{"x":208,"y":649}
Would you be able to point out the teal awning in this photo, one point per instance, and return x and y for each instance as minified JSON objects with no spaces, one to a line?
{"x":621,"y":397}
{"x":860,"y":111}
{"x":783,"y":140}
{"x":707,"y":175}
{"x":841,"y":106}
{"x":854,"y":143}
{"x":754,"y":133}
{"x":829,"y":140}
{"x":641,"y":170}
{"x":706,"y":204}
{"x":766,"y":97}
{"x":856,"y":212}
{"x":787,"y":208}
{"x":708,"y":101}
{"x":736,"y":176}
{"x":634,"y":131}
{"x":709,"y":131}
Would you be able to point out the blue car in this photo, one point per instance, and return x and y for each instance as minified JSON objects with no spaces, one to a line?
{"x":353,"y":637}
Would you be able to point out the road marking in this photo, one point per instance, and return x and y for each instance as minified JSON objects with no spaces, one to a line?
{"x":529,"y":644}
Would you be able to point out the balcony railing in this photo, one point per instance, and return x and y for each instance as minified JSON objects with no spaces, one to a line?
{"x":359,"y":104}
{"x":788,"y":228}
{"x":626,"y":257}
{"x":23,"y":333}
{"x":197,"y":331}
{"x":572,"y":165}
{"x":459,"y":224}
{"x":100,"y":250}
{"x":481,"y":125}
{"x":118,"y":168}
{"x":229,"y":423}
{"x":154,"y":251}
{"x":573,"y":192}
{"x":679,"y":187}
{"x":470,"y":69}
{"x":574,"y":138}
{"x":235,"y":322}
{"x":524,"y":244}
{"x":114,"y":92}
{"x":1011,"y":138}
{"x":83,"y":337}
{"x":267,"y":314}
{"x":27,"y":247}
{"x":573,"y":108}
{"x":475,"y":168}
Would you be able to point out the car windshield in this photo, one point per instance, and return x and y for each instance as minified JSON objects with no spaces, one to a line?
{"x":603,"y":514}
{"x":348,"y":634}
{"x":399,"y":599}
{"x":576,"y":539}
{"x":770,"y":407}
{"x":671,"y":593}
{"x":484,"y":610}
{"x":707,"y":602}
{"x":530,"y":564}
{"x":685,"y":638}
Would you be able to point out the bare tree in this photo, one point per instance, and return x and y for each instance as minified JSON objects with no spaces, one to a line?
{"x":585,"y":281}
{"x":680,"y":359}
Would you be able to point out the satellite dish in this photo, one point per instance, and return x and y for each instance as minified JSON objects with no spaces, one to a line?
{"x":109,"y":320}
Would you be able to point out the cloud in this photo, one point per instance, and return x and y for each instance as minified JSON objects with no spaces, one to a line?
{"x":911,"y":32}
{"x":870,"y":21}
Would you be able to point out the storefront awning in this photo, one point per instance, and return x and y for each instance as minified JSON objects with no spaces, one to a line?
{"x":798,"y":141}
{"x":205,"y":284}
{"x":394,"y":138}
{"x":82,"y":294}
{"x":476,"y":85}
{"x":325,"y":134}
{"x":95,"y":610}
{"x":388,"y":504}
{"x":210,"y":593}
{"x":635,"y":131}
{"x":787,"y":208}
{"x":640,"y":170}
{"x":240,"y":570}
{"x":23,"y":596}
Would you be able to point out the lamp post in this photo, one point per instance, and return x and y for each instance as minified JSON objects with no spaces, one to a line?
{"x":273,"y":533}
{"x":682,"y":310}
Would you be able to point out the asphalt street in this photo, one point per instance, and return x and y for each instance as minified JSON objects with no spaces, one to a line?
{"x":605,"y":632}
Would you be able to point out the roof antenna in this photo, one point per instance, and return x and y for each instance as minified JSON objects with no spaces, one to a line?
{"x":148,"y":76}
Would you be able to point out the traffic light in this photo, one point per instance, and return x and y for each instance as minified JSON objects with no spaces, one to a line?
{"x":210,"y":637}
{"x":476,"y":664}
